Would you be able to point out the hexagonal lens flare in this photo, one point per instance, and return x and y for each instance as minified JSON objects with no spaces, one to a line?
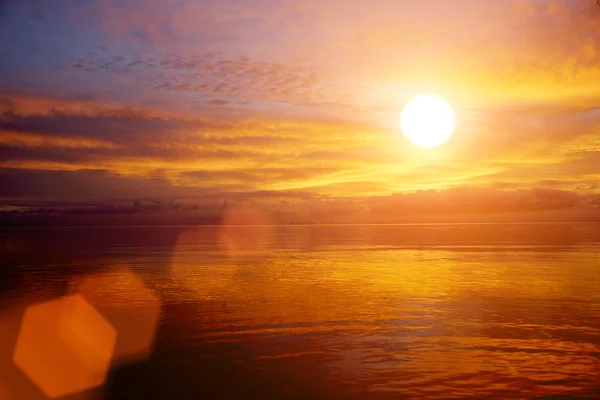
{"x":131,"y":308}
{"x":65,"y":346}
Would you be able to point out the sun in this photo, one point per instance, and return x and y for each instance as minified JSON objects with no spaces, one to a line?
{"x":427,"y":120}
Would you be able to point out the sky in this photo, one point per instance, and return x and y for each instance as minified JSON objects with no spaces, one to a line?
{"x":298,"y":100}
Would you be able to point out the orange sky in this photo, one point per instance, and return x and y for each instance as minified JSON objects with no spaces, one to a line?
{"x":165,"y":98}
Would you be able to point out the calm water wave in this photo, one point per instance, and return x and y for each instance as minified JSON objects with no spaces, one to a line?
{"x":342,"y":312}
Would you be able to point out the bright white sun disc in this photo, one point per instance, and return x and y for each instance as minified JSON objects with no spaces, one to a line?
{"x":427,"y":120}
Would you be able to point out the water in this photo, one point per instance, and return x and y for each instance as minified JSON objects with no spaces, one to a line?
{"x":341,"y":312}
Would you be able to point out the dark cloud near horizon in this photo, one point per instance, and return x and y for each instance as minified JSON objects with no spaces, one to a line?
{"x":27,"y":187}
{"x":474,"y":200}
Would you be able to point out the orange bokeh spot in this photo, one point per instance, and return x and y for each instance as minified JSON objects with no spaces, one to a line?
{"x":245,"y":231}
{"x":131,"y":308}
{"x":5,"y":393}
{"x":14,"y":384}
{"x":64,"y":346}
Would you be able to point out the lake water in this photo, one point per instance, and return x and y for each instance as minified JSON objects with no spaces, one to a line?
{"x":485,"y":311}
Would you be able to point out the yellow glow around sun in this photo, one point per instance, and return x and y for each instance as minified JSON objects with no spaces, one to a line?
{"x":427,"y":120}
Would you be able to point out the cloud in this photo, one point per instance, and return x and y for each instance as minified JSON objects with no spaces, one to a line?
{"x":473,"y":200}
{"x":81,"y":184}
{"x":266,"y":152}
{"x":285,"y":154}
{"x":237,"y":96}
{"x":223,"y":80}
{"x":254,"y":176}
{"x":106,"y":128}
{"x":505,"y":48}
{"x":457,"y":204}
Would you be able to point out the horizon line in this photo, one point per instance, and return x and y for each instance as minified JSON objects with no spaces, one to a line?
{"x":339,"y":224}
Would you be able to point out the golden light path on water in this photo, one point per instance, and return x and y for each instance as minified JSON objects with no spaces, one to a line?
{"x":365,"y":311}
{"x":438,"y":316}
